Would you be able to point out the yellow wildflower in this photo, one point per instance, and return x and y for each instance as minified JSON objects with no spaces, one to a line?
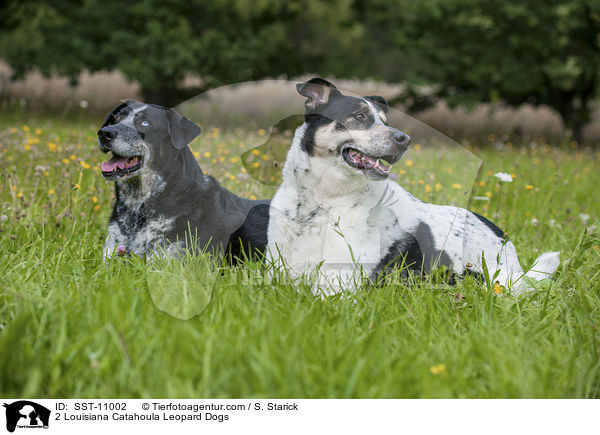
{"x":206,"y":154}
{"x":51,"y":192}
{"x":438,"y":187}
{"x":456,"y":186}
{"x":438,"y":370}
{"x":409,"y":163}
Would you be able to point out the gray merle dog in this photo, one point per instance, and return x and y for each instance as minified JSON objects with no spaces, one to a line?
{"x":163,"y":200}
{"x":337,"y":212}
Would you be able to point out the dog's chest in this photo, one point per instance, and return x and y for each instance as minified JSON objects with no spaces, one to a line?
{"x":337,"y":235}
{"x":141,"y":232}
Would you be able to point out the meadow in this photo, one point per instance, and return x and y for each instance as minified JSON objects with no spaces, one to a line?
{"x":71,"y":326}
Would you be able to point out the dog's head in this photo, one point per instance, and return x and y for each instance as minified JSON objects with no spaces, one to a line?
{"x":142,"y":136}
{"x":351,"y":131}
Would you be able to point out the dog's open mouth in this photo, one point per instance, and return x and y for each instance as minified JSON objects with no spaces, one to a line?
{"x":370,"y":165}
{"x":119,"y":166}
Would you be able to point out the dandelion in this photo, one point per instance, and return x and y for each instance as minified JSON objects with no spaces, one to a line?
{"x":252,"y":197}
{"x":19,"y":194}
{"x":94,"y":199}
{"x":409,"y":163}
{"x":529,"y":187}
{"x":255,"y":152}
{"x":46,"y":173}
{"x":482,"y":183}
{"x":402,"y":172}
{"x":27,"y":147}
{"x":427,"y":188}
{"x":72,"y":156}
{"x":504,"y":177}
{"x":497,"y":288}
{"x":256,"y":165}
{"x":488,"y":194}
{"x":13,"y":130}
{"x":52,"y":146}
{"x":65,"y":161}
{"x":76,"y":186}
{"x":25,"y":129}
{"x":438,"y":186}
{"x":206,"y":155}
{"x":233,"y":160}
{"x":438,"y":370}
{"x":421,"y":182}
{"x":51,"y":192}
{"x":417,"y":147}
{"x":38,"y":131}
{"x":97,"y":207}
{"x":457,"y":186}
{"x":261,"y":132}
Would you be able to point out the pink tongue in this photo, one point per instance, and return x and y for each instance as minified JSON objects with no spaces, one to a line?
{"x":113,"y":163}
{"x":370,"y":160}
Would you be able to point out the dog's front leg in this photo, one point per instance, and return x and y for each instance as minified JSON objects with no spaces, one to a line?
{"x":115,"y":242}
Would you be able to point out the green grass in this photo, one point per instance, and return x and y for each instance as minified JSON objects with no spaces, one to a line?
{"x":70,"y":326}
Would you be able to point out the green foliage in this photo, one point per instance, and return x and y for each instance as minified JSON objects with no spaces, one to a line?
{"x":159,"y":42}
{"x":515,"y":51}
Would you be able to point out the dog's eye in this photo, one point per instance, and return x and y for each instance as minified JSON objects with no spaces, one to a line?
{"x":360,"y":116}
{"x":144,"y":123}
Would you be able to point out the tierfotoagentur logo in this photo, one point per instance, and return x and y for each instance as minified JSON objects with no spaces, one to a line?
{"x":25,"y":414}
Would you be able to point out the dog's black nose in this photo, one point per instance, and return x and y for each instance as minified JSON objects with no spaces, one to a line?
{"x":401,"y":138}
{"x":106,"y":134}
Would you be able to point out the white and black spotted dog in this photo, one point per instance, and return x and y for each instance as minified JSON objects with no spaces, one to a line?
{"x":163,"y":200}
{"x":337,"y":213}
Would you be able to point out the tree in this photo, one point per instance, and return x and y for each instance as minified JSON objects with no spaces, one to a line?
{"x":514,"y":51}
{"x":159,"y":42}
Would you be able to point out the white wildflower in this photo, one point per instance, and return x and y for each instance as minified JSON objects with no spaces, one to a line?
{"x":481,"y":198}
{"x":584,"y":217}
{"x":504,"y":177}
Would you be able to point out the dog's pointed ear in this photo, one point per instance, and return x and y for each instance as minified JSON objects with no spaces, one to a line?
{"x":317,"y":91}
{"x":379,"y":100}
{"x":182,"y":130}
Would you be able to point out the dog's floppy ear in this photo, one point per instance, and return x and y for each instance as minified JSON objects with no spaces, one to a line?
{"x":181,"y":130}
{"x":317,"y":91}
{"x":379,"y":100}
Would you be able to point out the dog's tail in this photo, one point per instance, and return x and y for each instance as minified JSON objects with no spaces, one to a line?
{"x":544,"y":266}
